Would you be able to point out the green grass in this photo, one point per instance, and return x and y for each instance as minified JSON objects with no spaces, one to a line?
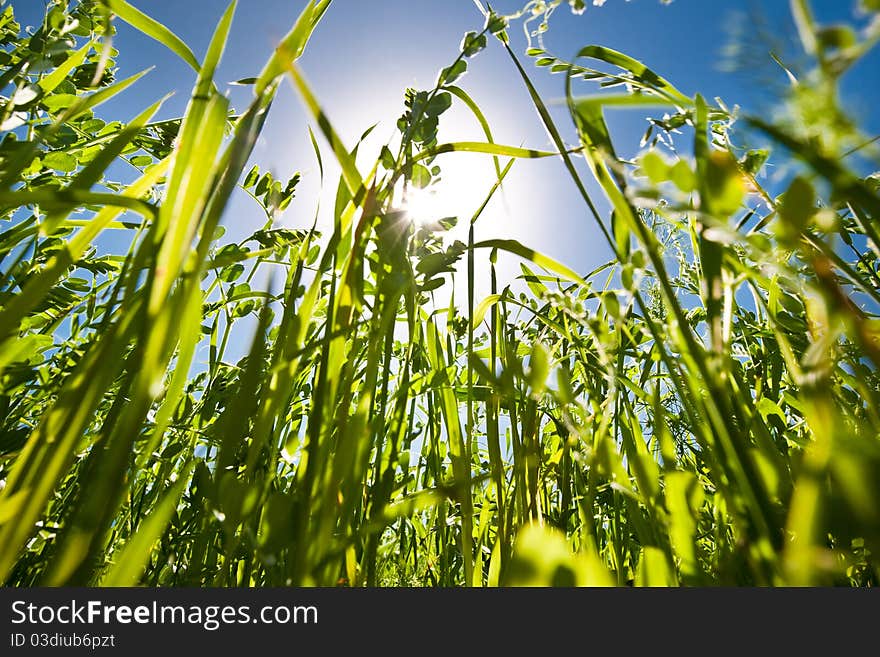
{"x":704,"y":409}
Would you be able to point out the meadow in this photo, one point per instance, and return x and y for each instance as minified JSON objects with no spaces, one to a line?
{"x":702,"y":409}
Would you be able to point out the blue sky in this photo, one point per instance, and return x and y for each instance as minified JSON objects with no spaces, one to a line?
{"x":365,"y":53}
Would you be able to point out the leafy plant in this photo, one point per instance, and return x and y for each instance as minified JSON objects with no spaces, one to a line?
{"x":702,"y":409}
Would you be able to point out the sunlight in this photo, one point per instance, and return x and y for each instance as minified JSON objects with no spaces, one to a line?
{"x":464,"y":182}
{"x":422,"y":206}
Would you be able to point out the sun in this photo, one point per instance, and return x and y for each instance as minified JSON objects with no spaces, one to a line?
{"x":463,"y":185}
{"x":422,"y":206}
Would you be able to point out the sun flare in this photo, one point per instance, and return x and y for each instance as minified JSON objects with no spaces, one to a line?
{"x":460,"y":190}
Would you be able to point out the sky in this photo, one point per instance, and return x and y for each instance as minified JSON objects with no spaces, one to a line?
{"x":365,"y":53}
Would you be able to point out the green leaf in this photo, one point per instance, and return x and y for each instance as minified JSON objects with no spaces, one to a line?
{"x":84,"y":104}
{"x":277,"y":523}
{"x":29,"y":348}
{"x":512,"y":246}
{"x":837,"y":37}
{"x":496,"y":24}
{"x":439,"y":104}
{"x":481,"y":147}
{"x":542,"y":557}
{"x":252,"y":177}
{"x":684,"y":497}
{"x":655,"y":167}
{"x":56,"y":77}
{"x":473,"y":43}
{"x":352,"y":177}
{"x":798,"y":205}
{"x":539,"y":368}
{"x":654,"y":569}
{"x":292,"y":45}
{"x":155,"y":30}
{"x":767,"y":408}
{"x":131,"y":560}
{"x":643,"y":77}
{"x":420,"y":176}
{"x":57,"y":102}
{"x":481,"y":310}
{"x":215,"y":51}
{"x":60,"y":161}
{"x":452,"y":73}
{"x":263,"y":185}
{"x":683,"y":177}
{"x":724,"y":188}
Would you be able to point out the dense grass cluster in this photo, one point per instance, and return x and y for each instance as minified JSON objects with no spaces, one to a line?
{"x":702,"y":409}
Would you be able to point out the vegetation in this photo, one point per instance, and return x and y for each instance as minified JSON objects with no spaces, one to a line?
{"x":703,"y":409}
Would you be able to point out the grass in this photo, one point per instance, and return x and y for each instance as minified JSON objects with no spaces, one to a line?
{"x":704,"y":409}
